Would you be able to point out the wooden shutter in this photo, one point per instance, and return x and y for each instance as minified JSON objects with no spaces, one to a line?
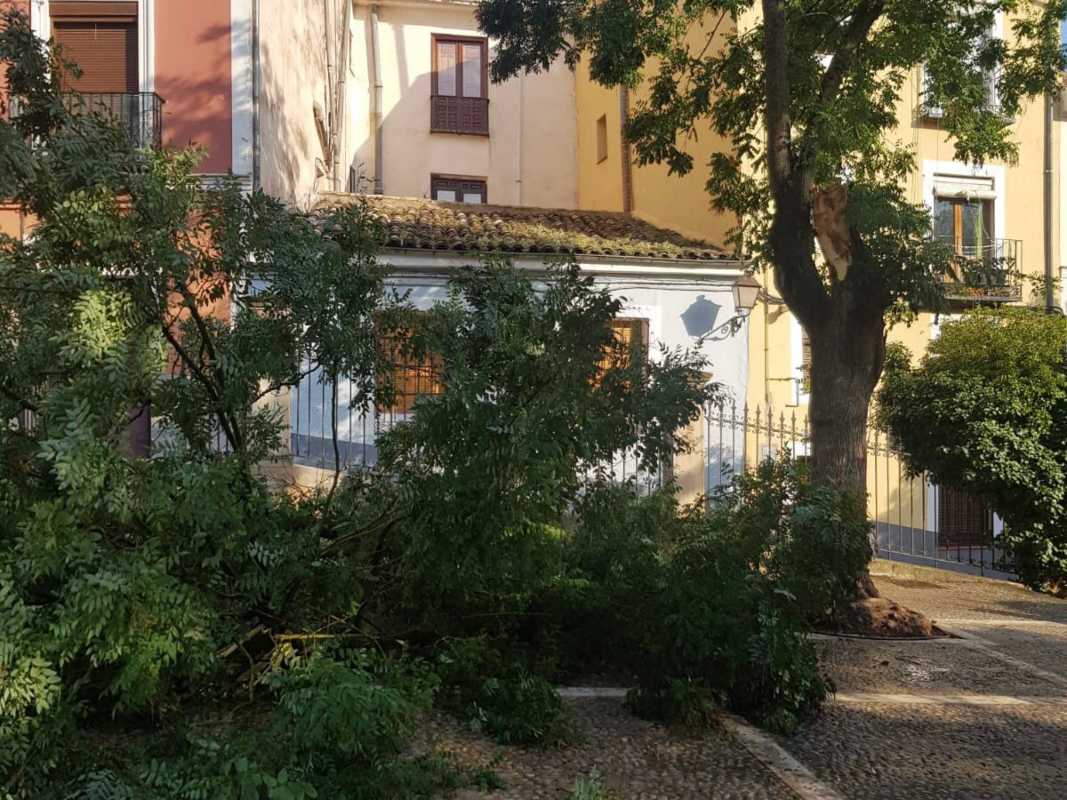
{"x":629,"y":335}
{"x":963,"y":519}
{"x":408,"y":375}
{"x":101,"y":38}
{"x":464,"y":190}
{"x":459,"y":97}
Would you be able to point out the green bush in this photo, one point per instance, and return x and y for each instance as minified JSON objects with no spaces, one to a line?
{"x":483,"y":688}
{"x":590,"y":787}
{"x":811,"y":541}
{"x":983,"y":411}
{"x":710,"y":607}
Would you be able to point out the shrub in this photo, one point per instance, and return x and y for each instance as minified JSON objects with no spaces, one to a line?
{"x":330,"y":715}
{"x":711,"y":607}
{"x":983,"y":411}
{"x":479,"y":686}
{"x":590,"y":787}
{"x":811,"y":541}
{"x":496,"y":459}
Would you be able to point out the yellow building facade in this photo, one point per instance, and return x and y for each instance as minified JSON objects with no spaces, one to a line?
{"x":995,"y":210}
{"x":1004,"y":199}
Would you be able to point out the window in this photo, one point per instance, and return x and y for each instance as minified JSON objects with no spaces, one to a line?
{"x":450,"y":189}
{"x":931,"y":107}
{"x":101,"y":38}
{"x":407,"y":374}
{"x":630,"y":338}
{"x":965,"y":223}
{"x":602,"y":138}
{"x":459,"y":101}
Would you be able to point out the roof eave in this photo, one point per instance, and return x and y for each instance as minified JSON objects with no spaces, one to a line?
{"x":421,"y":260}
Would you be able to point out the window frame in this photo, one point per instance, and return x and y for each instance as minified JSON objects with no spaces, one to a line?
{"x":601,"y":139}
{"x":436,"y":179}
{"x":459,"y":41}
{"x":643,"y":328}
{"x":404,"y":369}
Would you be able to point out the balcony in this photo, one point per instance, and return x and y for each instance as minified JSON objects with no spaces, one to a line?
{"x":986,"y":274}
{"x":139,"y":114}
{"x":449,"y":114}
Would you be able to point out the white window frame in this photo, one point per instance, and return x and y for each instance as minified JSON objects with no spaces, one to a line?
{"x":41,"y":23}
{"x":983,"y":175}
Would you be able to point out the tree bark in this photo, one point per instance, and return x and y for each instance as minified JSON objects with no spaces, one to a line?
{"x":847,"y":351}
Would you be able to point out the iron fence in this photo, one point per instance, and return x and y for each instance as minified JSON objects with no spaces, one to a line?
{"x":914,"y":519}
{"x":317,"y":408}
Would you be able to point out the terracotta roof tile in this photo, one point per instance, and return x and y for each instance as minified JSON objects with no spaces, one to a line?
{"x":414,"y":223}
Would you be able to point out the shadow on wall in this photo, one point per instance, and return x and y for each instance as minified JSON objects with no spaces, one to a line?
{"x":699,"y":319}
{"x":197,"y":102}
{"x":290,"y":152}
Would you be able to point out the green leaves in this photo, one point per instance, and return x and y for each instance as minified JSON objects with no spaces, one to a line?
{"x":982,"y":411}
{"x":527,"y":409}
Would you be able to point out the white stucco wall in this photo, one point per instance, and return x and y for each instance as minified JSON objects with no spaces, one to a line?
{"x":530,"y":155}
{"x":680,"y":310}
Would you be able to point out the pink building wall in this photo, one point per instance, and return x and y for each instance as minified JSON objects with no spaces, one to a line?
{"x":193,"y":76}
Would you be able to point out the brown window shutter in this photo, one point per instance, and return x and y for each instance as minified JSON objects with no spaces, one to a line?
{"x":631,"y":338}
{"x":105,"y":50}
{"x":462,"y":190}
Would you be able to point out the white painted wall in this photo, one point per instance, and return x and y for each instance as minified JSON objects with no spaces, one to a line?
{"x":679,"y":311}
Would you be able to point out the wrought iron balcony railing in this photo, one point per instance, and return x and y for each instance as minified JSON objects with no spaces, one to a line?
{"x":459,"y":115}
{"x":989,"y":272}
{"x":139,"y":114}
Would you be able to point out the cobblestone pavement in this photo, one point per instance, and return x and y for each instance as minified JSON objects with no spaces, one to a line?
{"x":637,"y":760}
{"x":949,"y":719}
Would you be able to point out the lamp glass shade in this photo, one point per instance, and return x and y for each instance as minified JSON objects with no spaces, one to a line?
{"x":746,"y":293}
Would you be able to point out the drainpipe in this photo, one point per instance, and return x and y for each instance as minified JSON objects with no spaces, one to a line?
{"x":255,"y":95}
{"x":338,"y":127}
{"x":625,"y":152}
{"x":1050,"y":304}
{"x":331,"y":85}
{"x":518,"y":139}
{"x":376,"y":100}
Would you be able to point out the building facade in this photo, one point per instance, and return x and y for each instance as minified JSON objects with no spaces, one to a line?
{"x":428,"y":122}
{"x":994,"y":213}
{"x":256,"y":84}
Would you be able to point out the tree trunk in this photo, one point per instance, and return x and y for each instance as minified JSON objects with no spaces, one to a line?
{"x":847,"y":351}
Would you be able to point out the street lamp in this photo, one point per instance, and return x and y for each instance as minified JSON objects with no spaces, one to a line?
{"x":747,"y":292}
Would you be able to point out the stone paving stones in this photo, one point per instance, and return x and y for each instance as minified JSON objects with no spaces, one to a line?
{"x":886,"y":751}
{"x":638,"y":760}
{"x":926,"y":667}
{"x":948,"y":719}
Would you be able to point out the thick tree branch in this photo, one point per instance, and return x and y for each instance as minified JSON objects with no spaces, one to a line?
{"x":791,"y":236}
{"x":777,"y":87}
{"x":844,"y":57}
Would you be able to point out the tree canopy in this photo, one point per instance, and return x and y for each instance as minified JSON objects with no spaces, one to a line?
{"x":809,"y":95}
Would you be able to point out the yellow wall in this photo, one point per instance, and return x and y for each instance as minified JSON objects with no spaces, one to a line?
{"x":679,"y":203}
